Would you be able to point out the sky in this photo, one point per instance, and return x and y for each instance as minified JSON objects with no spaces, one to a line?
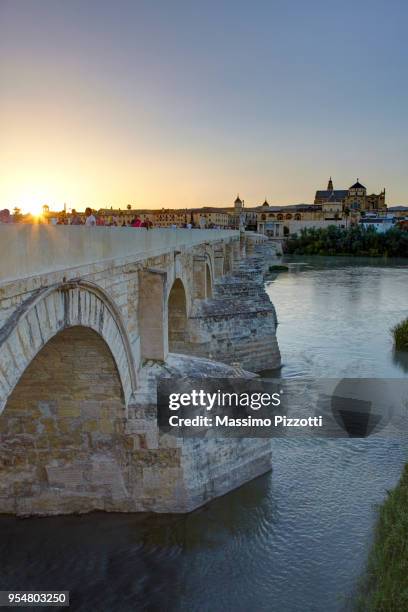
{"x":185,"y":103}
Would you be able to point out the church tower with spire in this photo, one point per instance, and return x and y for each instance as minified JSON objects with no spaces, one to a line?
{"x":330,"y":185}
{"x":238,"y":204}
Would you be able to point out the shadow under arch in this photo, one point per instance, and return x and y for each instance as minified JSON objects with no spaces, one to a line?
{"x":62,"y":430}
{"x":208,"y":282}
{"x":177,"y":317}
{"x":40,"y":317}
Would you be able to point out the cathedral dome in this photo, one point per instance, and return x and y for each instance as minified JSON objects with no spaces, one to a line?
{"x":357,"y":185}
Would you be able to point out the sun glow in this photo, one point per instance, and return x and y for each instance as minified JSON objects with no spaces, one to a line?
{"x":35,"y":208}
{"x":31,"y":202}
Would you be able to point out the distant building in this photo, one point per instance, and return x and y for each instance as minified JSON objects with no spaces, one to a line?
{"x":279,"y":221}
{"x":381,"y":224}
{"x":325,"y":195}
{"x":399,"y":212}
{"x":238,"y":205}
{"x":355,"y":198}
{"x":209,"y":216}
{"x":112,"y":216}
{"x":332,"y":209}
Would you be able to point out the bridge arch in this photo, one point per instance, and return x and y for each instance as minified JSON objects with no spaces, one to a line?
{"x":177,"y":316}
{"x":210,"y":271}
{"x":62,"y":429}
{"x":52,"y":310}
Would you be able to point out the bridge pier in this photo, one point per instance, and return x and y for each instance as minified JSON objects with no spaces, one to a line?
{"x":239,"y":323}
{"x":219,"y":262}
{"x":152,"y":315}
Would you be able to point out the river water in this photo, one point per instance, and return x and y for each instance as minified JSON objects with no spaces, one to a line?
{"x":295,"y":540}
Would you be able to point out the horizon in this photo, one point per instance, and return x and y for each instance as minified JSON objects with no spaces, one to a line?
{"x":164,"y":208}
{"x":183,"y":106}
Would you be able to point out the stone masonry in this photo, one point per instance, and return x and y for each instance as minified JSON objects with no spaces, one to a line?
{"x":82,"y":347}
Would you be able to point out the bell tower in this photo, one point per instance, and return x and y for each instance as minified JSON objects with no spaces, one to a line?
{"x":238,"y":204}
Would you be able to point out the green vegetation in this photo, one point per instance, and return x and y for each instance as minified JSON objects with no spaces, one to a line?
{"x":400,"y":333}
{"x":278,"y":268}
{"x":355,"y":240}
{"x":386,"y":583}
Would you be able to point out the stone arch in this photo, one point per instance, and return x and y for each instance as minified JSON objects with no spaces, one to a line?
{"x":177,"y":317}
{"x":210,"y":275}
{"x":51,"y":310}
{"x":62,"y":430}
{"x":203,"y":276}
{"x":210,"y":258}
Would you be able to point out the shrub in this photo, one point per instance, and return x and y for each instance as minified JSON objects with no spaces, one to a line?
{"x":356,"y":240}
{"x":385,"y":587}
{"x":400,"y":333}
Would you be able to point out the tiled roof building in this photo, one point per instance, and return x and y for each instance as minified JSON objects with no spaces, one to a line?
{"x":355,"y":197}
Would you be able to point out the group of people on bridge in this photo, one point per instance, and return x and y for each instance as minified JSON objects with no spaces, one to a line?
{"x":90,"y":219}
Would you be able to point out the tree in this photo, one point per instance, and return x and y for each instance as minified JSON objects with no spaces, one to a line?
{"x":346,"y":214}
{"x":17,"y":214}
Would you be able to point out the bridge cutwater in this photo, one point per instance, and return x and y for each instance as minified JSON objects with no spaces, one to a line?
{"x":89,"y":319}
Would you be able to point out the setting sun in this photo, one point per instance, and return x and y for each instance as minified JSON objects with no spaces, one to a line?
{"x":35,"y":208}
{"x":31,"y":201}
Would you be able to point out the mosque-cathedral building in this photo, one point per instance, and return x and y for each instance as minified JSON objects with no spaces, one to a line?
{"x":355,"y":198}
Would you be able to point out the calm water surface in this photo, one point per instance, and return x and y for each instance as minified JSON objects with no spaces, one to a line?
{"x":294,"y":540}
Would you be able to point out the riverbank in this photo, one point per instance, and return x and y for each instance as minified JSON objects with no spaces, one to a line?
{"x":386,"y":584}
{"x":354,"y":241}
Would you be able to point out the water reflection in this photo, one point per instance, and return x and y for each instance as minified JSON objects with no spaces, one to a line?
{"x":400,"y":358}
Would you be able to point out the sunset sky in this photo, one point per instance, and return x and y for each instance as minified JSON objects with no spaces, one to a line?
{"x":187,"y":103}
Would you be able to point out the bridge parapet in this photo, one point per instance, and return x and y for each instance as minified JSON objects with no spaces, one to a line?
{"x":34,"y":250}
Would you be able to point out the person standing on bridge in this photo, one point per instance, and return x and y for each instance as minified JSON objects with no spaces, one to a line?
{"x":75,"y":218}
{"x":89,"y":218}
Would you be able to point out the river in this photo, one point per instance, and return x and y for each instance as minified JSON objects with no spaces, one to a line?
{"x":296,"y":539}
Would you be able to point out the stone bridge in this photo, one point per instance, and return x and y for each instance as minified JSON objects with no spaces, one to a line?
{"x":89,"y":319}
